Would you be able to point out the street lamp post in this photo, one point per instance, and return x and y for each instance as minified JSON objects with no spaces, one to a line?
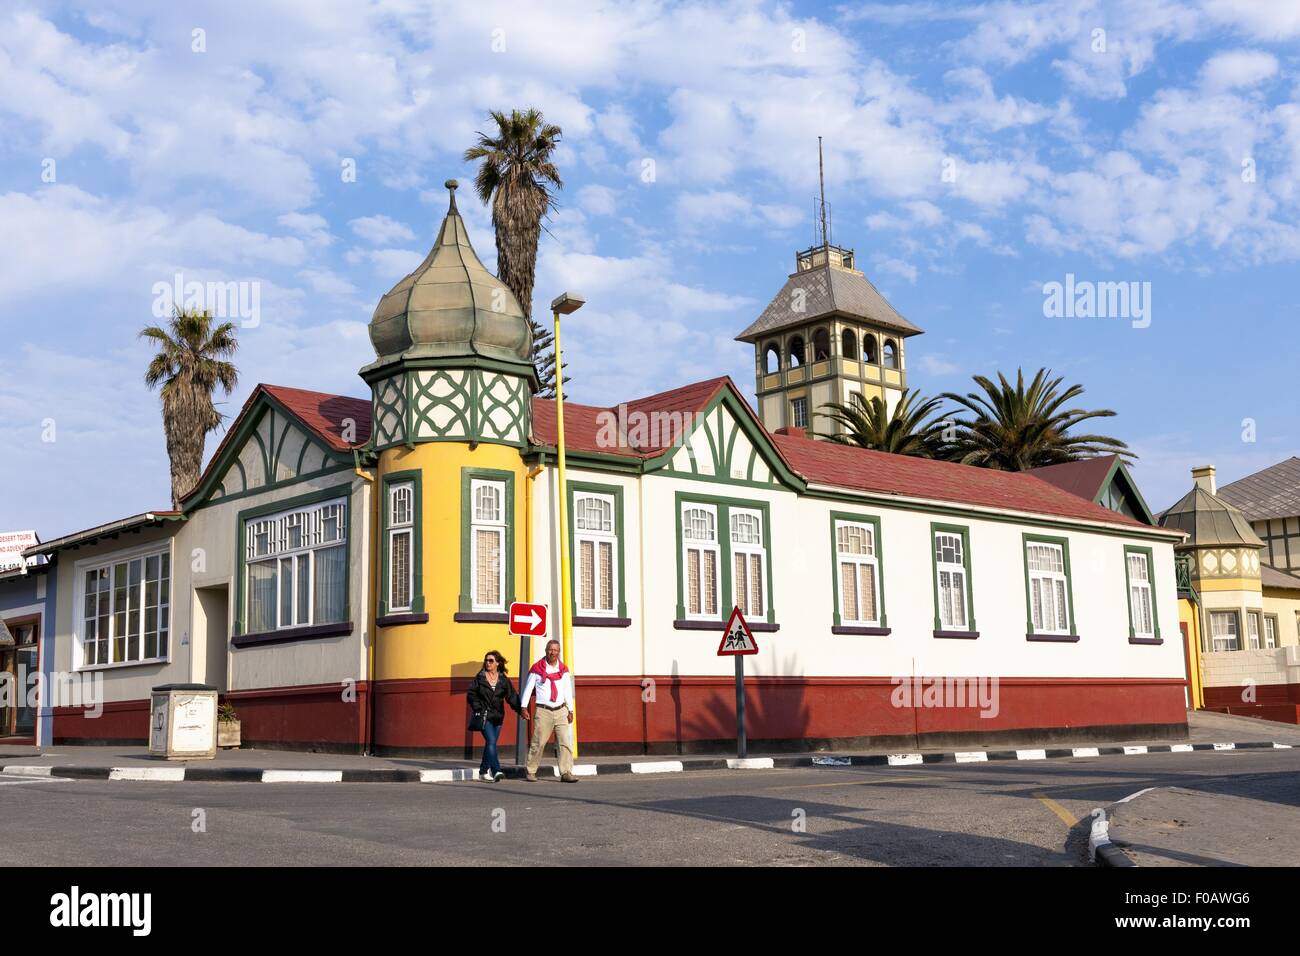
{"x":566,"y":303}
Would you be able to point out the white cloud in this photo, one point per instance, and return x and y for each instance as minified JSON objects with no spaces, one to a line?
{"x":381,"y":230}
{"x":1238,"y":68}
{"x":597,"y":200}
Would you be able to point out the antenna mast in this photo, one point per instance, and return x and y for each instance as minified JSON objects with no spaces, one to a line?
{"x":821,"y":178}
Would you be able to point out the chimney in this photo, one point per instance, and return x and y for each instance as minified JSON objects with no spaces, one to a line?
{"x":1203,"y":477}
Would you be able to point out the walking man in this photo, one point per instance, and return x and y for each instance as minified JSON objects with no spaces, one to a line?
{"x":552,"y":685}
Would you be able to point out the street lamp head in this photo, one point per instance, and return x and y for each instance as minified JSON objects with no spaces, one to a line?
{"x":566,"y":303}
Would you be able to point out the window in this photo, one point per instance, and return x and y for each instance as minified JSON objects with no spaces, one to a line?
{"x":849,"y":345}
{"x":700,"y":560}
{"x":1224,"y":631}
{"x":1140,"y":606}
{"x":891,"y":354}
{"x":821,"y":343}
{"x":858,"y":572}
{"x":869,"y":348}
{"x":796,"y":351}
{"x":596,"y":544}
{"x":951,"y":580}
{"x":1047,"y":583}
{"x":126,"y":610}
{"x":748,"y":562}
{"x":799,"y":412}
{"x":1252,"y":630}
{"x":771,"y":359}
{"x":488,"y":537}
{"x":1270,"y":631}
{"x":296,"y":567}
{"x":401,"y":545}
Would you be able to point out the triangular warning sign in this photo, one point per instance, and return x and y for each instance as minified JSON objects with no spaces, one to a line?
{"x":737,"y":638}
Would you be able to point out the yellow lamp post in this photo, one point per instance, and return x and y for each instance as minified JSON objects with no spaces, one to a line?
{"x":566,"y":303}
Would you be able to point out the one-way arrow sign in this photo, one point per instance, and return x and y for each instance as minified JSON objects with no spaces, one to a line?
{"x":528,"y":620}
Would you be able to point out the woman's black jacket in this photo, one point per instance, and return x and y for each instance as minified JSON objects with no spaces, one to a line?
{"x":484,"y":698}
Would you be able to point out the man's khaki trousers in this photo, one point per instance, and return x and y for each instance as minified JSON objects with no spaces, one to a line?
{"x":546,"y":722}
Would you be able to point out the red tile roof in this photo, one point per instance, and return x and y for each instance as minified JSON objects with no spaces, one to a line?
{"x":1083,"y":478}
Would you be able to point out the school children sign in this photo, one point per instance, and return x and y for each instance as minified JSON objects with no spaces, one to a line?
{"x":737,"y":639}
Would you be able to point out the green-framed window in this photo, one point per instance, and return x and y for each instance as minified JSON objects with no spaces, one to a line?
{"x":723,"y":549}
{"x":1140,"y":585}
{"x":596,"y":533}
{"x":293,"y":558}
{"x":487,"y":539}
{"x":858,"y":576}
{"x":954,"y":596}
{"x":1049,"y":593}
{"x":1225,"y":630}
{"x":402,"y":581}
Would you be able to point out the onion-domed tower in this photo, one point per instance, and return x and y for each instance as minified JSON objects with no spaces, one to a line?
{"x":452,"y":386}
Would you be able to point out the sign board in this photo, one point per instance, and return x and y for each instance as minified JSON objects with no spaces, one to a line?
{"x":528,"y":620}
{"x":12,"y":546}
{"x":737,"y":639}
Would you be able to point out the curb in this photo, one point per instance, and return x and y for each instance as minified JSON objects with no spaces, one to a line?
{"x":1102,"y":851}
{"x":175,"y":774}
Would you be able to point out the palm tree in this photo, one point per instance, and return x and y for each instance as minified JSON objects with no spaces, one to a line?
{"x":909,"y":430}
{"x":191,"y":363}
{"x":1015,"y":429}
{"x":516,"y":176}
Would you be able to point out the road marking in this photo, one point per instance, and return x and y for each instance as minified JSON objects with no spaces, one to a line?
{"x":1181,"y":748}
{"x":1277,"y":746}
{"x":1031,"y":754}
{"x":658,"y":766}
{"x":908,"y":778}
{"x":1128,"y":751}
{"x":905,"y":760}
{"x":971,"y":756}
{"x":19,"y":781}
{"x":444,"y":776}
{"x":173,"y":774}
{"x":1069,"y":818}
{"x":1225,"y":746}
{"x":28,"y":771}
{"x":302,"y":776}
{"x":1085,"y":752}
{"x":579,"y":770}
{"x":750,"y":763}
{"x":1138,"y":794}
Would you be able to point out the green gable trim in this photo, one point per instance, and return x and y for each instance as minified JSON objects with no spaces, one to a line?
{"x":615,"y":492}
{"x":874,"y":522}
{"x":964,"y":532}
{"x":1120,"y":474}
{"x":413,"y":476}
{"x":1026,"y":540}
{"x":1151,"y":580}
{"x":726,"y":589}
{"x":343,"y":491}
{"x":467,"y":475}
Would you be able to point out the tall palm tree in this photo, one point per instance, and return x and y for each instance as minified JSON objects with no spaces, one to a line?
{"x":910,"y":430}
{"x":1018,"y":428}
{"x":190,"y":364}
{"x":517,"y":176}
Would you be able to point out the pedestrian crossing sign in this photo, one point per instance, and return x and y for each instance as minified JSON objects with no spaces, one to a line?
{"x":737,"y":638}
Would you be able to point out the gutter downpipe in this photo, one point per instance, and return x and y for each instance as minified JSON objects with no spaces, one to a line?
{"x":367,"y":742}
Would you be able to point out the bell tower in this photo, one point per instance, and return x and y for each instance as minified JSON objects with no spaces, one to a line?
{"x":827,"y":335}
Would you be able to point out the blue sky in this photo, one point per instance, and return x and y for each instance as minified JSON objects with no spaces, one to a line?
{"x":1107,"y":140}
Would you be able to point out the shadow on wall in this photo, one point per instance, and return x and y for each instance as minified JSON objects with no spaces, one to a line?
{"x":777,"y":715}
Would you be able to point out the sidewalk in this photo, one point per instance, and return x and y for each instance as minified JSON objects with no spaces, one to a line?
{"x":1206,"y":732}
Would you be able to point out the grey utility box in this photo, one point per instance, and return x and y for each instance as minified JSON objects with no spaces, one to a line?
{"x":183,"y":722}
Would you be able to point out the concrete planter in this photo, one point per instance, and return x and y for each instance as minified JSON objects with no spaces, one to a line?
{"x":228,"y":734}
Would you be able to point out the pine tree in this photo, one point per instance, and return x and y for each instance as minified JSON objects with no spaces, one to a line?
{"x":544,"y":359}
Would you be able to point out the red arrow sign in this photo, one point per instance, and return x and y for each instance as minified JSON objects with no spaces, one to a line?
{"x":528,"y":620}
{"x":737,"y":638}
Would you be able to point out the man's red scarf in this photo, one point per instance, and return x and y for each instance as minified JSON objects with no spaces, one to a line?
{"x":540,"y":670}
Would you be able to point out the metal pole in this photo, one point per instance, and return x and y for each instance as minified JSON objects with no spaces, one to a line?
{"x":742,"y":746}
{"x":566,"y":624}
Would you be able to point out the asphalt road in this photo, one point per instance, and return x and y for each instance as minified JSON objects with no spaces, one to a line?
{"x":1014,"y":813}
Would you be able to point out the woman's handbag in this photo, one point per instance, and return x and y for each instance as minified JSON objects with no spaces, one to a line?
{"x":476,"y":721}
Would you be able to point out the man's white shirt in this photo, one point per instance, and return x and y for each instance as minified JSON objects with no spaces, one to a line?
{"x":542,"y":688}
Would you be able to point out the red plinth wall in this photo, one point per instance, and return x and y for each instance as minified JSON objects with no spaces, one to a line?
{"x":1270,"y":701}
{"x":665,"y":714}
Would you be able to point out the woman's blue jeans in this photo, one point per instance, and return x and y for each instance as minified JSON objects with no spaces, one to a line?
{"x":490,"y":762}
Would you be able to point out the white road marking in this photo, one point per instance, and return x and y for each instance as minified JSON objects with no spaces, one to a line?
{"x":1031,"y":754}
{"x":1085,"y":752}
{"x":750,"y":763}
{"x":19,"y":781}
{"x":1225,"y":746}
{"x":1181,"y":748}
{"x":904,"y":760}
{"x":658,"y":766}
{"x":28,"y":771}
{"x":302,"y":776}
{"x":972,"y":756}
{"x":1135,"y":750}
{"x":172,"y":774}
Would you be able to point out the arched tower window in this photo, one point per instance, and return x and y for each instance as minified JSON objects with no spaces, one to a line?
{"x":796,"y":351}
{"x":869,"y":349}
{"x":849,"y":345}
{"x":891,"y":354}
{"x":821,"y":342}
{"x":771,"y":358}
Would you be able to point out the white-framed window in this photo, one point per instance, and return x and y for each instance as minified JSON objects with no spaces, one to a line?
{"x":950,"y":578}
{"x":1224,"y":631}
{"x":296,"y":566}
{"x":1270,"y":631}
{"x":126,"y":610}
{"x":1252,"y":630}
{"x":595,"y":534}
{"x":859,"y":572}
{"x":401,"y":545}
{"x":748,"y":562}
{"x":488,"y":548}
{"x":1141,"y":609}
{"x":799,"y":412}
{"x":1049,"y":608}
{"x":700,"y":554}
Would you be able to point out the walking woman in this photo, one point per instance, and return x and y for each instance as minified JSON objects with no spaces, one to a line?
{"x":488,"y":695}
